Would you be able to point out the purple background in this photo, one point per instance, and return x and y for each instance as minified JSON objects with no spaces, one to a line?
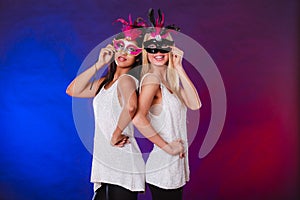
{"x":253,"y":43}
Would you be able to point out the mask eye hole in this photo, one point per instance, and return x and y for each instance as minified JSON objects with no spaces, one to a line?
{"x":118,"y":44}
{"x":152,"y":46}
{"x":132,"y":48}
{"x":151,"y":50}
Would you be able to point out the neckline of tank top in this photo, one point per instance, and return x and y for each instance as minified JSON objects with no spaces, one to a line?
{"x":107,"y":89}
{"x":167,"y":89}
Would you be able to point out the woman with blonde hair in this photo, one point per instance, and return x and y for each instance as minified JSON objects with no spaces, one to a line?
{"x":165,"y":93}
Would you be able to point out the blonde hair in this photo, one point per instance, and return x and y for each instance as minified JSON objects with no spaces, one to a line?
{"x":172,"y":75}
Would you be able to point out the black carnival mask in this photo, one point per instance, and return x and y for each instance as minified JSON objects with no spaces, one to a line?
{"x":153,"y":46}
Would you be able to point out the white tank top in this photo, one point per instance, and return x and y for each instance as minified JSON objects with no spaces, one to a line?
{"x":162,"y":169}
{"x":120,"y":166}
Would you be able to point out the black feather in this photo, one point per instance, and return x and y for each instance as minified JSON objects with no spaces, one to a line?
{"x":173,"y":27}
{"x":151,"y":17}
{"x":159,"y":16}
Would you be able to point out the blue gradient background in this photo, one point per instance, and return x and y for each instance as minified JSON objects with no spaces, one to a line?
{"x":253,"y":43}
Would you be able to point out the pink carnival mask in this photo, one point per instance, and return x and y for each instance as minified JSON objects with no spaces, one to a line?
{"x":122,"y":45}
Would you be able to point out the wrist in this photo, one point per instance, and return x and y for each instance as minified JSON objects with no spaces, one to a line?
{"x":115,"y":137}
{"x":180,"y":71}
{"x":98,"y":65}
{"x":179,"y":68}
{"x":167,"y":148}
{"x":117,"y":131}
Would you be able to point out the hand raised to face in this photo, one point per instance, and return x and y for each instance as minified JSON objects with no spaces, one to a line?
{"x":176,"y":56}
{"x":106,"y":54}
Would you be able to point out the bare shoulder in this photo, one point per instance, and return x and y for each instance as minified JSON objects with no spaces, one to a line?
{"x":150,"y":85}
{"x":150,"y":79}
{"x":127,"y":82}
{"x":126,"y":79}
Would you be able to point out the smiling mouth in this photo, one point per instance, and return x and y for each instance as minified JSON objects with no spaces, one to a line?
{"x":159,"y":57}
{"x":121,"y":59}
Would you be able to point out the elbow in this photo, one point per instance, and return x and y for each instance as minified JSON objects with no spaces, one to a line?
{"x":131,"y":109}
{"x":196,"y":106}
{"x":69,"y":91}
{"x":72,"y":92}
{"x":199,"y":105}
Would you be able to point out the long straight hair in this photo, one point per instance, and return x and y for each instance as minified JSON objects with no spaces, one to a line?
{"x":109,"y":75}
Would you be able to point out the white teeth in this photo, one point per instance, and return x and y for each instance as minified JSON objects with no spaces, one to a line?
{"x":158,"y":57}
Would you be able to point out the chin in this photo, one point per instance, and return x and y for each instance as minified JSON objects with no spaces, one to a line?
{"x":124,"y":65}
{"x":159,"y":63}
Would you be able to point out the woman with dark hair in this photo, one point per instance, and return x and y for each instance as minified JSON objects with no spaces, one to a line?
{"x":117,"y":173}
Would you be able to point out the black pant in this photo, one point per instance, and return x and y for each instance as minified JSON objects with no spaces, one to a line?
{"x":162,"y":194}
{"x":114,"y":192}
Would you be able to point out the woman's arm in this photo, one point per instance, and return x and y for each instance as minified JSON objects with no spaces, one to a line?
{"x":81,"y":85}
{"x":149,"y":88}
{"x":127,"y":90}
{"x":188,"y":90}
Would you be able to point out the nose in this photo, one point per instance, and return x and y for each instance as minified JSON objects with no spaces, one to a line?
{"x":123,"y":52}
